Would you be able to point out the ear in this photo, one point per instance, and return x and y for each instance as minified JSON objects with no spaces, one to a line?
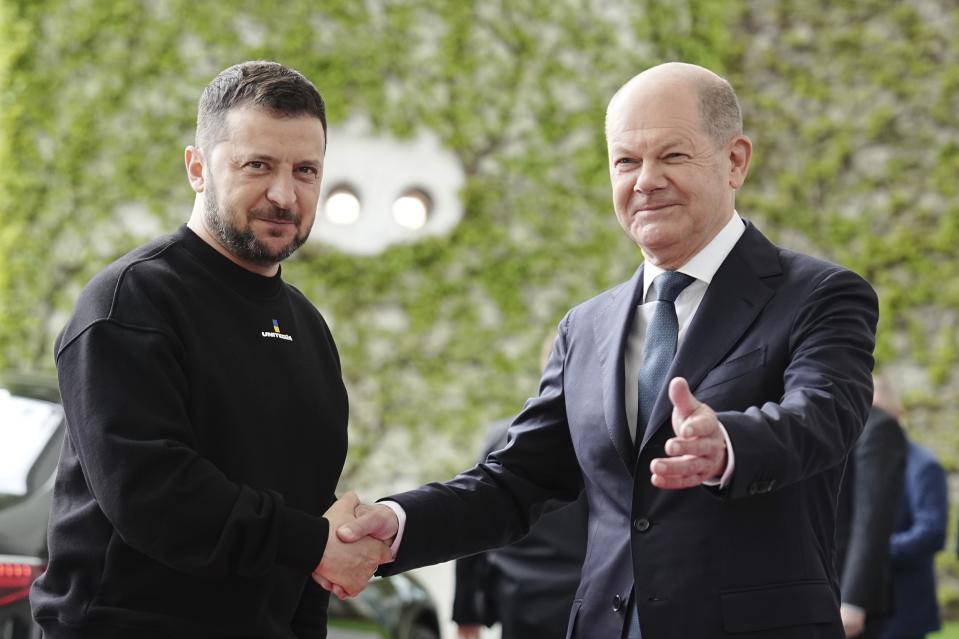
{"x":740,"y":152}
{"x":193,"y":159}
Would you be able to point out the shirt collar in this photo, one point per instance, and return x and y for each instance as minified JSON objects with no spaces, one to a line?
{"x":703,"y":265}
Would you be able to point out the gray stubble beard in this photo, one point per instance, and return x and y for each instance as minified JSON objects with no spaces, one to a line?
{"x":243,"y":243}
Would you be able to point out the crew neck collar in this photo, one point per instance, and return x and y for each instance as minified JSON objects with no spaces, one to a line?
{"x":235,"y":275}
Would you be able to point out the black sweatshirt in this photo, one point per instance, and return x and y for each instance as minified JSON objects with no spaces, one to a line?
{"x":206,"y":433}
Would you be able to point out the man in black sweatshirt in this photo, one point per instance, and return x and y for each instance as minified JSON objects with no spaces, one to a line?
{"x":205,"y":404}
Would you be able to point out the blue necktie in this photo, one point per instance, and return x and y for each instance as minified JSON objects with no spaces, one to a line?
{"x":661,"y":336}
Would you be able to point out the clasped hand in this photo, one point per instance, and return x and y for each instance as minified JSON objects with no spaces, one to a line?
{"x":359,"y":541}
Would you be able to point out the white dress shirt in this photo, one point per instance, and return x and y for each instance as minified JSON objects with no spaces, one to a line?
{"x":702,"y":267}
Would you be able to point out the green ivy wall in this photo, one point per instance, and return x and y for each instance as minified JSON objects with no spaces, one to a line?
{"x":851,"y":105}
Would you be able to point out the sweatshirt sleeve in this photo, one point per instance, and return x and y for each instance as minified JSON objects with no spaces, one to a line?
{"x":125,"y":394}
{"x":310,"y":619}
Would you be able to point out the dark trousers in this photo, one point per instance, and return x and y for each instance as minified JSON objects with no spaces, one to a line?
{"x":873,"y":629}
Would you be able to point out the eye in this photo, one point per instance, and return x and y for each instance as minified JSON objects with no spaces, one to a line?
{"x":623,"y":161}
{"x":256,"y":165}
{"x":675,"y":157}
{"x":308,"y":170}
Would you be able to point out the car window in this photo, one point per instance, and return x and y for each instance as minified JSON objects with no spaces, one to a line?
{"x":26,"y":427}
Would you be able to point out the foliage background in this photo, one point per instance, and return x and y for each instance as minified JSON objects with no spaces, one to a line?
{"x":851,"y":106}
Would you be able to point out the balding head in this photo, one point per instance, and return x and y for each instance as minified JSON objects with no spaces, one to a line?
{"x":676,"y":159}
{"x":721,"y":118}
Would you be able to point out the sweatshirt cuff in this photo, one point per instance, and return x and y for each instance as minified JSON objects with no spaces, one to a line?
{"x":302,"y":540}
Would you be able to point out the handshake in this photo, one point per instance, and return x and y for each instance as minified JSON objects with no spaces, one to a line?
{"x":359,"y":541}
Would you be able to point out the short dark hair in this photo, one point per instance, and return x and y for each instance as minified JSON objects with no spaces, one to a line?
{"x":270,"y":85}
{"x":719,"y":109}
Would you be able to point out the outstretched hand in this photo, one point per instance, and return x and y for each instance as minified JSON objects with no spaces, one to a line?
{"x":698,"y":452}
{"x":346,"y":568}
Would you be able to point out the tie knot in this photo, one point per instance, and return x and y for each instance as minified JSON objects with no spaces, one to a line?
{"x":669,"y":284}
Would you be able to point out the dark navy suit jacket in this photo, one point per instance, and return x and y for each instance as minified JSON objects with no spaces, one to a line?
{"x":781,"y":347}
{"x":920,"y":534}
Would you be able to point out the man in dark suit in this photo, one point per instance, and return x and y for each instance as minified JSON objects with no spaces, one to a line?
{"x":711,"y":497}
{"x":868,"y":505}
{"x":528,"y":586}
{"x":920,"y":533}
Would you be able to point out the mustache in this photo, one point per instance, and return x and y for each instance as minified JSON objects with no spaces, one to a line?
{"x":276,"y":213}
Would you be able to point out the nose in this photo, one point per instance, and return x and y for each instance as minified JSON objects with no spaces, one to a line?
{"x":650,"y":178}
{"x":281,"y":192}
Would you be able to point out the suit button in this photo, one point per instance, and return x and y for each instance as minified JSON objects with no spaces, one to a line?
{"x":641,"y":525}
{"x":617,"y":603}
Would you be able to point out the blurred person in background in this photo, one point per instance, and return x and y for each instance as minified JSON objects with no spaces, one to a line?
{"x":920,"y":532}
{"x":528,"y":587}
{"x":206,"y":412}
{"x":866,"y":516}
{"x":707,"y":405}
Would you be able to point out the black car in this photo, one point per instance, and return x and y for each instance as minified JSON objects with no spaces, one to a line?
{"x":31,"y":434}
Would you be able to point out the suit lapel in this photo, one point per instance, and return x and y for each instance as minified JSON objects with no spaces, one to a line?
{"x":611,"y":326}
{"x":734,"y":298}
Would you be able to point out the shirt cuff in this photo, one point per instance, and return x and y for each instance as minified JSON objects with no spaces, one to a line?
{"x":727,"y":475}
{"x":401,"y":516}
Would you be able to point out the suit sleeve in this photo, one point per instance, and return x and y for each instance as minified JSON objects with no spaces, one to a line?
{"x":927,"y":502}
{"x":494,"y":503}
{"x":879,"y":457}
{"x":827,"y":390}
{"x":125,"y":396}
